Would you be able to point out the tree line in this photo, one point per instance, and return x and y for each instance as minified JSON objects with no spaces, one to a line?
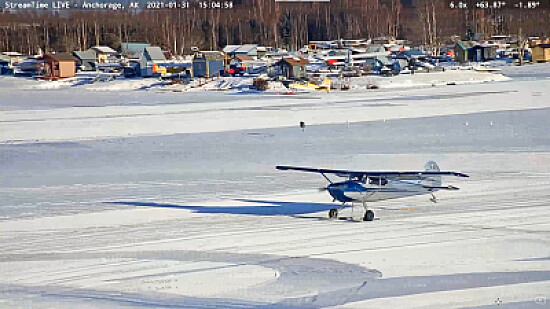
{"x":265,"y":22}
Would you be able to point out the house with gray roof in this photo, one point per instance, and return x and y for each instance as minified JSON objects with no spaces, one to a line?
{"x":87,"y":60}
{"x":133,"y":49}
{"x":462,"y":50}
{"x":151,"y":55}
{"x":104,"y":54}
{"x":208,"y":64}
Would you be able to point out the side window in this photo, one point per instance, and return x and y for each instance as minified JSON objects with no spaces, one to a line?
{"x":378,"y":181}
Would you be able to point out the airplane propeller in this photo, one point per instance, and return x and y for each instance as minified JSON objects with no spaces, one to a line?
{"x":326,"y":189}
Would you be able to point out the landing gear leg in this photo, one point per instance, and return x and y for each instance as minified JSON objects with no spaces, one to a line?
{"x":333,"y":213}
{"x":369,"y":214}
{"x":433,"y":199}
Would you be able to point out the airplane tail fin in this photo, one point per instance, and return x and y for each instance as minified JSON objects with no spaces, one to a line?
{"x":431,"y":166}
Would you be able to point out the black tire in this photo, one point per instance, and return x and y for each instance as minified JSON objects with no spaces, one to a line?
{"x":333,"y":213}
{"x":369,"y":216}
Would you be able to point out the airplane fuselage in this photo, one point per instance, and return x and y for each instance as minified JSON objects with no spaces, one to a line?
{"x":357,"y":191}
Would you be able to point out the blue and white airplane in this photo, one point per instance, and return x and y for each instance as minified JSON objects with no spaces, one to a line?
{"x":371,"y":186}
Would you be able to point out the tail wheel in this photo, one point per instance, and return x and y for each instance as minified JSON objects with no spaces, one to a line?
{"x":369,"y":216}
{"x":333,"y":213}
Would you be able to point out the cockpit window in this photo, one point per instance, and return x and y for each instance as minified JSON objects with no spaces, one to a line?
{"x":378,"y":181}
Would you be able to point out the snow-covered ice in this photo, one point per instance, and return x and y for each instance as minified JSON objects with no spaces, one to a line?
{"x":140,"y":198}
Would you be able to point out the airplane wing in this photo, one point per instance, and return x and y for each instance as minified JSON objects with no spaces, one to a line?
{"x":385,"y":174}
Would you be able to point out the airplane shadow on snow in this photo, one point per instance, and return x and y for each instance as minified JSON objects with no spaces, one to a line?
{"x":275,"y":208}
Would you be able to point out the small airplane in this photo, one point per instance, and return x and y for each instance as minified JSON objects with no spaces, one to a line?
{"x":373,"y":186}
{"x":324,"y":86}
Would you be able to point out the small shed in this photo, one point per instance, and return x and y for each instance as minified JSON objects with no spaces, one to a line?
{"x":541,"y":53}
{"x":462,"y":49}
{"x":104,"y":54}
{"x":293,"y":67}
{"x":151,"y":55}
{"x":58,"y":66}
{"x":87,"y":60}
{"x":481,"y":53}
{"x":208,"y":63}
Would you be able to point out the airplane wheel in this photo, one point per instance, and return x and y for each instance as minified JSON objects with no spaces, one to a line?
{"x":369,"y":216}
{"x":333,"y":213}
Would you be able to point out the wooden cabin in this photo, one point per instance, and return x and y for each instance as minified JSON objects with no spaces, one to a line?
{"x":59,"y":66}
{"x":293,"y":67}
{"x":541,"y":53}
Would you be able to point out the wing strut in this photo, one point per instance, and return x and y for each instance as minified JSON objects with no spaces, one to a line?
{"x":326,"y":177}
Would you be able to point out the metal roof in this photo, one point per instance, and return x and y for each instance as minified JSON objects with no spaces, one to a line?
{"x":85,"y":54}
{"x":154,"y":53}
{"x":244,"y":57}
{"x":466,"y":44}
{"x":295,"y":60}
{"x":103,"y":49}
{"x":133,"y":47}
{"x":60,"y":57}
{"x":209,"y":55}
{"x":240,"y":49}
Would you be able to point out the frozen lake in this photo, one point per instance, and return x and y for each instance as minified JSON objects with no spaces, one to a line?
{"x":41,"y":178}
{"x":195,"y":215}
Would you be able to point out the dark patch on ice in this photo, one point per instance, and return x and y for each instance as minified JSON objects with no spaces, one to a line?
{"x":429,"y":97}
{"x":403,"y":286}
{"x":455,"y":95}
{"x":258,"y":134}
{"x":382,"y":104}
{"x":147,"y":87}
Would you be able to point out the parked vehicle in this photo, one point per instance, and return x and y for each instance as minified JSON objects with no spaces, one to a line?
{"x":236,"y":70}
{"x":29,"y":68}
